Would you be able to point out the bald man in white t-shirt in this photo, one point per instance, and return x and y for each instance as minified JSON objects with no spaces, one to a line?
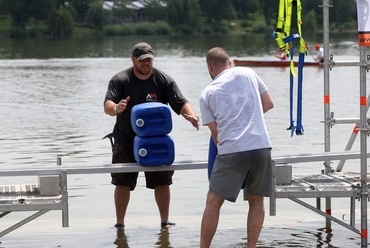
{"x":233,"y":107}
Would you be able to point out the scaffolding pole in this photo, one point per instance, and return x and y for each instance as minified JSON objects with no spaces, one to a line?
{"x":361,"y":125}
{"x":363,"y":140}
{"x":327,"y":113}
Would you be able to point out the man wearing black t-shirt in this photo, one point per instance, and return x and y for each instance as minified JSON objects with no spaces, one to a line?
{"x":139,"y":84}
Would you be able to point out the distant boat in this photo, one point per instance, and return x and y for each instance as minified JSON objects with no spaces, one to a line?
{"x":271,"y":63}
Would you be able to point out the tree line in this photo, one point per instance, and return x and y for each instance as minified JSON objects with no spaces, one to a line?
{"x":172,"y":16}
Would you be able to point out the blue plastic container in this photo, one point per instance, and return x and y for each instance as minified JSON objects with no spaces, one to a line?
{"x":154,"y":151}
{"x":151,"y":119}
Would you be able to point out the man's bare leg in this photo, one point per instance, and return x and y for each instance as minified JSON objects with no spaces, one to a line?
{"x":210,"y":219}
{"x":162,"y":197}
{"x":121,"y":200}
{"x":256,"y":216}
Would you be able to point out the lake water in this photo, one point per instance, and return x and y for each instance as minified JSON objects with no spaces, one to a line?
{"x":51,"y":99}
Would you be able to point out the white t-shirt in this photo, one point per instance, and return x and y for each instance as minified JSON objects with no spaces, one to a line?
{"x":320,"y":53}
{"x":233,"y":100}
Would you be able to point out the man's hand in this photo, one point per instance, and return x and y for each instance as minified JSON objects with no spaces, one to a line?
{"x":194,"y":120}
{"x":121,"y":106}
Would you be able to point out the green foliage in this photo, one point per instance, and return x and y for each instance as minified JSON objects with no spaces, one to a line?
{"x":41,"y":9}
{"x":61,"y":23}
{"x":206,"y":30}
{"x":244,"y":23}
{"x":21,"y":11}
{"x":232,"y":26}
{"x":333,"y":26}
{"x":342,"y":11}
{"x":260,"y":28}
{"x":309,"y":23}
{"x":120,"y":12}
{"x":230,"y":13}
{"x":183,"y":29}
{"x":3,"y":10}
{"x":145,"y":28}
{"x":81,"y":6}
{"x":183,"y":16}
{"x":34,"y":33}
{"x":269,"y":10}
{"x":96,"y":16}
{"x":220,"y":28}
{"x":214,"y":10}
{"x":18,"y":32}
{"x":18,"y":10}
{"x":162,"y":28}
{"x":111,"y":30}
{"x":243,"y":7}
{"x":155,"y":10}
{"x":184,"y":13}
{"x":72,"y":10}
{"x":119,"y":30}
{"x":350,"y":25}
{"x":5,"y":22}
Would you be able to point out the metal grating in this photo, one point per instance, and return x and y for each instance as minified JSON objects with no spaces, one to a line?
{"x":318,"y":185}
{"x":28,"y":193}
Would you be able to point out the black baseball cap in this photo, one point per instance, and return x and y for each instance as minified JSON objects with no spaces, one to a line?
{"x":142,"y":51}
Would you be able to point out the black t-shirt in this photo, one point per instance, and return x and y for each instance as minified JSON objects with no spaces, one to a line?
{"x":159,"y":87}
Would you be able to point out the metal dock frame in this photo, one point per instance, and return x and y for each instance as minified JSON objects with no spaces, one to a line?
{"x":30,"y":200}
{"x":292,"y":191}
{"x":323,"y":185}
{"x":361,"y":123}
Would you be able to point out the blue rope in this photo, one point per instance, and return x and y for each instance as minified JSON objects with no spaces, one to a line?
{"x":291,"y":126}
{"x":299,"y":130}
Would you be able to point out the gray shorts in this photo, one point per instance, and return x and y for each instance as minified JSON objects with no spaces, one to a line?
{"x":230,"y":171}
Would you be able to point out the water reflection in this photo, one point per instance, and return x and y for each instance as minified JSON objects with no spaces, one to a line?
{"x":121,"y":240}
{"x":301,"y":236}
{"x":163,"y":239}
{"x":179,"y":46}
{"x":323,"y":237}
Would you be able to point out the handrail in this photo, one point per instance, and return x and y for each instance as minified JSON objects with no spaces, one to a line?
{"x":302,"y":158}
{"x":181,"y":165}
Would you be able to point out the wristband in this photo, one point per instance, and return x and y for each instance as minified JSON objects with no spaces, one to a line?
{"x":115,"y":109}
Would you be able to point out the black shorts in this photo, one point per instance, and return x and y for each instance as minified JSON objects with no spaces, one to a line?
{"x":129,"y":179}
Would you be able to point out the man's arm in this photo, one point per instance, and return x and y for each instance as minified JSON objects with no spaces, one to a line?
{"x":267,"y":103}
{"x":109,"y":107}
{"x":188,"y":113}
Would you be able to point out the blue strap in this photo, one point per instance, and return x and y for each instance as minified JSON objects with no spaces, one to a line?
{"x":291,"y":81}
{"x":299,"y":130}
{"x":212,"y":153}
{"x":291,"y":38}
